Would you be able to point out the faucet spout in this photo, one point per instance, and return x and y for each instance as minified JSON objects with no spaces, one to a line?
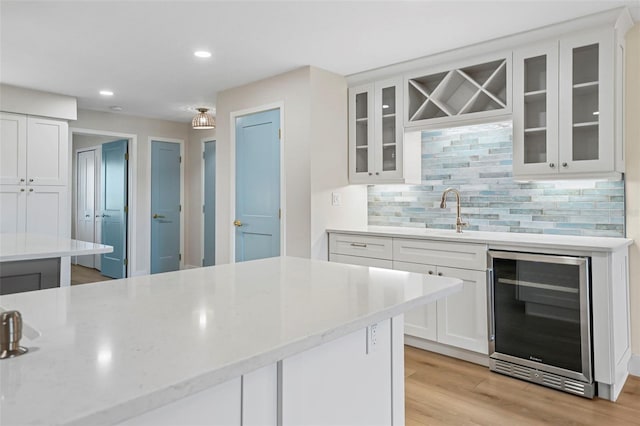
{"x":443,"y":204}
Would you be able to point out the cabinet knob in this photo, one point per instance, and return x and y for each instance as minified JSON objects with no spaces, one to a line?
{"x":552,"y":165}
{"x":22,"y":180}
{"x":31,"y":180}
{"x":439,"y":274}
{"x":370,"y":173}
{"x":430,"y":272}
{"x":565,"y":165}
{"x":30,"y":189}
{"x":377,"y":173}
{"x":21,"y":189}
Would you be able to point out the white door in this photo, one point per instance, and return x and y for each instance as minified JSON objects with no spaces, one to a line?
{"x":462,"y":317}
{"x":12,"y":208}
{"x":13,"y":148}
{"x":47,"y":151}
{"x":85,"y":202}
{"x":422,"y":321}
{"x":45,"y":211}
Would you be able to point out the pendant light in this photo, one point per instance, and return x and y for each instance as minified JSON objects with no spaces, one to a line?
{"x":203,"y":120}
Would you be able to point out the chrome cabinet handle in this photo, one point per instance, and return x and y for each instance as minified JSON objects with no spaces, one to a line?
{"x":363,"y":245}
{"x":158,"y":216}
{"x":237,"y":223}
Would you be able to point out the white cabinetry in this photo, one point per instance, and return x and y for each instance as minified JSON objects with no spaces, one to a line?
{"x":475,"y":89}
{"x":564,"y":107}
{"x":34,"y":159}
{"x":379,"y":151}
{"x":459,"y":320}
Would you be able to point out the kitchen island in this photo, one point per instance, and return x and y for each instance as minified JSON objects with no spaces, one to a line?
{"x":35,"y":261}
{"x":273,"y":341}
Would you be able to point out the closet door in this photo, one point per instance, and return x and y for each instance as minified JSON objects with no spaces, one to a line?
{"x":85,"y":213}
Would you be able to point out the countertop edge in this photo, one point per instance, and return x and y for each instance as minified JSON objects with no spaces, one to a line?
{"x":54,"y":254}
{"x":203,"y":381}
{"x":624,"y":242}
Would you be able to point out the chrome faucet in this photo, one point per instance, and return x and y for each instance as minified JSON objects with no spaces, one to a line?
{"x":443,"y":205}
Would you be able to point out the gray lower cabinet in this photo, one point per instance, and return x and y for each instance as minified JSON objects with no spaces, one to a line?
{"x":28,"y":275}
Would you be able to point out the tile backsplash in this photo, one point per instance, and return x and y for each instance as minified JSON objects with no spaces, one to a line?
{"x":477,"y":161}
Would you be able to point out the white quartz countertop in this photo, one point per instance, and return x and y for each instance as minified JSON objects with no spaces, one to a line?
{"x":563,"y":242}
{"x":37,"y":246}
{"x":112,"y":350}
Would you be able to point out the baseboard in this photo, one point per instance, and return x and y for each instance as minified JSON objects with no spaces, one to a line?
{"x":191,"y":266}
{"x":634,"y":365}
{"x":462,"y":354}
{"x":140,"y":273}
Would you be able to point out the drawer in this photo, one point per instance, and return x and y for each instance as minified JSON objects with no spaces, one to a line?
{"x":362,"y":261}
{"x":441,"y":253}
{"x":360,"y":245}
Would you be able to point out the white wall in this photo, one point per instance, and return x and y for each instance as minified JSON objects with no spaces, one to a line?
{"x":315,"y":158}
{"x":143,"y":128}
{"x":329,"y":163}
{"x":193,"y":177}
{"x":632,"y":177}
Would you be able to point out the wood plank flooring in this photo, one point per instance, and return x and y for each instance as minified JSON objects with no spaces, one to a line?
{"x":445,"y":391}
{"x":84,"y":275}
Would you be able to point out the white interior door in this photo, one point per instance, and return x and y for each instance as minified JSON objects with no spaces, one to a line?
{"x":85,"y":214}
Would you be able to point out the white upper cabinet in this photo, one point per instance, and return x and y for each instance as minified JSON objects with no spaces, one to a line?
{"x":563,"y":113}
{"x":470,"y":90}
{"x":13,"y":149}
{"x":379,"y":152}
{"x":33,"y":150}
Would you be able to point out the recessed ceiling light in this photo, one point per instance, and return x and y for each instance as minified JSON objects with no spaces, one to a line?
{"x":106,"y":93}
{"x":115,"y":108}
{"x":202,"y":54}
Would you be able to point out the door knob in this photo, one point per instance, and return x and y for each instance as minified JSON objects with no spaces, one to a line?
{"x":158,"y":216}
{"x":237,"y":223}
{"x":87,"y":215}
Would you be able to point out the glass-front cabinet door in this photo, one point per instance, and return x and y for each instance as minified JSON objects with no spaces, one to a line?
{"x":361,"y":128}
{"x":586,"y":113}
{"x":388,"y":134}
{"x":535,"y":110}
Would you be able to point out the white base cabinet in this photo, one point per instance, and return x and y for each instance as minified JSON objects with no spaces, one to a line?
{"x":343,"y":382}
{"x":459,"y":320}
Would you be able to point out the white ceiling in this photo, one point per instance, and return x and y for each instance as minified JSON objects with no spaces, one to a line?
{"x":143,"y":50}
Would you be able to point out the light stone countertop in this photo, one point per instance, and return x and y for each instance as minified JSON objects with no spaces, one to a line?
{"x":110,"y":351}
{"x":37,"y":246}
{"x":494,"y":239}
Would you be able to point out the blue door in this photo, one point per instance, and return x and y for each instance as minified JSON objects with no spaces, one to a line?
{"x":114,"y":208}
{"x":257,"y":186}
{"x":165,"y":206}
{"x":209,"y":206}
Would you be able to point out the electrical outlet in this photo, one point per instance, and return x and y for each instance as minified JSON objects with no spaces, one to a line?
{"x":372,"y":338}
{"x":336,"y":199}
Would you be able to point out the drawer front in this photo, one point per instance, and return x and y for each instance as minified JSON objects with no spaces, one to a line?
{"x":441,"y":253}
{"x":362,"y":261}
{"x":358,"y":245}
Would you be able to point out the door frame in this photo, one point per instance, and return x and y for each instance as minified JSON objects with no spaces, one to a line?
{"x":183,"y":211}
{"x":202,"y":192}
{"x":132,"y":201}
{"x":232,"y":174}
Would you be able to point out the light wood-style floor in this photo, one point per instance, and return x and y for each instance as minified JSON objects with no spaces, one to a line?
{"x":445,"y":391}
{"x":84,"y":275}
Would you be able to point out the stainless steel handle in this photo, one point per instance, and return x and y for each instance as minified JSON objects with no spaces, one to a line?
{"x":565,"y":165}
{"x":552,"y":165}
{"x":491,"y":302}
{"x":363,"y":245}
{"x":158,"y":216}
